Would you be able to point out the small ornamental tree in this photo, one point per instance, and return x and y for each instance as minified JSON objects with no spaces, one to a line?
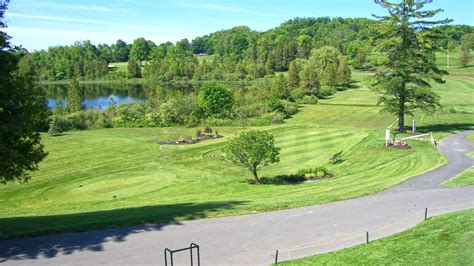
{"x":55,"y":127}
{"x":252,"y":150}
{"x":215,"y":99}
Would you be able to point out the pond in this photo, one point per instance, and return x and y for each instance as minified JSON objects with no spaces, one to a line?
{"x":99,"y":95}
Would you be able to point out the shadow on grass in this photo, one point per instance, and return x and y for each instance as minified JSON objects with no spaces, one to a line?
{"x":51,"y":246}
{"x":279,"y":180}
{"x":450,"y":128}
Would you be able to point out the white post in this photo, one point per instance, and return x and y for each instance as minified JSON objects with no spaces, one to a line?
{"x":387,"y":136}
{"x":414,"y":126}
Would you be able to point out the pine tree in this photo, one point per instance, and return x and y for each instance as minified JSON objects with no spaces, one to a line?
{"x":407,"y":42}
{"x":74,"y":100}
{"x":55,"y":127}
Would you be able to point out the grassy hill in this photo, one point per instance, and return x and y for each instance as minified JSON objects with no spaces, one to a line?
{"x":121,"y":176}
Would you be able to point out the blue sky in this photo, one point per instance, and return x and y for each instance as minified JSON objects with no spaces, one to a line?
{"x":38,"y":24}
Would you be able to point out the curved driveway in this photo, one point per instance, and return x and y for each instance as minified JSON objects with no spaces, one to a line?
{"x":253,"y":239}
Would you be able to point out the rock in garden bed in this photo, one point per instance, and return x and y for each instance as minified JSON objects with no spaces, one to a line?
{"x":399,"y":145}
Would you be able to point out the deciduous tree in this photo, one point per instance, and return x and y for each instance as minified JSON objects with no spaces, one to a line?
{"x":215,"y":99}
{"x":23,"y":110}
{"x":252,"y":150}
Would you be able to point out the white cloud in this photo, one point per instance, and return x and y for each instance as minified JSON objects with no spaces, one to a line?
{"x":61,"y":6}
{"x":79,"y":7}
{"x":92,"y":22}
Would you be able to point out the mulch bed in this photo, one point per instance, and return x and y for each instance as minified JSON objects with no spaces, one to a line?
{"x":316,"y":178}
{"x":400,"y":147}
{"x":190,"y":141}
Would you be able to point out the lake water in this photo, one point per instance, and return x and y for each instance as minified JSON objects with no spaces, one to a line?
{"x":99,"y":95}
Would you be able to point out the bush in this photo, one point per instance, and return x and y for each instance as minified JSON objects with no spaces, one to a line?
{"x":309,"y":99}
{"x":313,"y":172}
{"x":278,"y":118}
{"x":55,"y":127}
{"x":297,"y":94}
{"x":251,"y":110}
{"x":130,"y":115}
{"x":326,"y":91}
{"x":275,"y":104}
{"x":289,"y":108}
{"x":216,"y":100}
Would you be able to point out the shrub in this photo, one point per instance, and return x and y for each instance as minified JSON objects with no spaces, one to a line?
{"x":297,"y":94}
{"x":326,"y":91}
{"x":313,"y":172}
{"x":275,"y":104}
{"x":289,"y":108}
{"x":251,"y":110}
{"x":130,"y":114}
{"x":216,"y":99}
{"x":309,"y":99}
{"x":278,"y":118}
{"x":55,"y":127}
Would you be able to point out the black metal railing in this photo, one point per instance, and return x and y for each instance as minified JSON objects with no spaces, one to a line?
{"x":190,"y":248}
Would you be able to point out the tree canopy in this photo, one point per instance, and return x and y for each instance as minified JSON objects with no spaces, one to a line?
{"x":215,"y":99}
{"x":23,"y":111}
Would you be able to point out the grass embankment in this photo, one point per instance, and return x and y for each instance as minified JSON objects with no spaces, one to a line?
{"x":442,"y":240}
{"x":76,"y":184}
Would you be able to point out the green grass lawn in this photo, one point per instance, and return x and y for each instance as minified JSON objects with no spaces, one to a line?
{"x":465,"y":178}
{"x":76,"y":184}
{"x":442,"y":240}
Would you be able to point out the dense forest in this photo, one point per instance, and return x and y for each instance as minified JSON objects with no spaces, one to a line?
{"x":237,"y":53}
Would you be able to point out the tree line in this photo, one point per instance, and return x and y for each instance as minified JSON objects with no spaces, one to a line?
{"x":237,"y":53}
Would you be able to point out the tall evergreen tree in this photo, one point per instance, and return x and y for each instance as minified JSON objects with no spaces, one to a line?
{"x":74,"y":99}
{"x":407,"y":42}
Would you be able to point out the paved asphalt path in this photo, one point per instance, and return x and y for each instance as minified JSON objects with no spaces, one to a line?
{"x":253,"y":239}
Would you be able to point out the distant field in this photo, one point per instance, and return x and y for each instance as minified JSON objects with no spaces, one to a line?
{"x":76,"y":184}
{"x":442,"y":60}
{"x":442,"y":240}
{"x":121,"y":66}
{"x":204,"y":57}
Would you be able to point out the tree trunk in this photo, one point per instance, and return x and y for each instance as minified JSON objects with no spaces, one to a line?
{"x":254,"y":172}
{"x":401,"y":114}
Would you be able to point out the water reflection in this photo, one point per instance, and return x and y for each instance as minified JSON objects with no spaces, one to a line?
{"x":99,"y":95}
